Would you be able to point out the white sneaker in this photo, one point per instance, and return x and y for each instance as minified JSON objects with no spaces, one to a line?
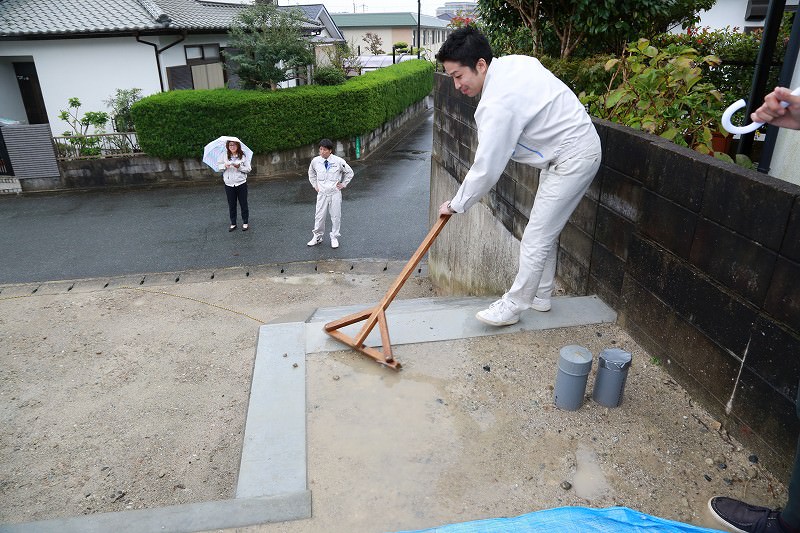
{"x":314,"y":241}
{"x":501,"y":313}
{"x":540,"y":304}
{"x":334,"y":242}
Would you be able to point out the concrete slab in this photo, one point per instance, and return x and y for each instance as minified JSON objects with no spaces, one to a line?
{"x":89,"y":285}
{"x":194,"y":276}
{"x":54,"y":287}
{"x":17,"y":291}
{"x":439,"y":319}
{"x":230,"y":273}
{"x":187,"y":518}
{"x":134,"y":280}
{"x":274,"y":450}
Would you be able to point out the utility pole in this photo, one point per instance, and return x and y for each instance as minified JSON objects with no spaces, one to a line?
{"x":419,"y":35}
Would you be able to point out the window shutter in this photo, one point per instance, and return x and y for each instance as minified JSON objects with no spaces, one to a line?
{"x":756,"y":10}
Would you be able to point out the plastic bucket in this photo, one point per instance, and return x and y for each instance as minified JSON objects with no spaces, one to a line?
{"x":612,"y":371}
{"x":574,"y":365}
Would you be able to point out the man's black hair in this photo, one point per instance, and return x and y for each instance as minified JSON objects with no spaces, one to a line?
{"x":466,"y":45}
{"x":326,"y":143}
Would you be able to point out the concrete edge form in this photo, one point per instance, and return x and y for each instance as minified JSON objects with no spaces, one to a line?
{"x":274,"y":449}
{"x":441,"y":319}
{"x":187,"y":518}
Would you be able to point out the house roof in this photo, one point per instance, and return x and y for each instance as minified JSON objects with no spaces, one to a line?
{"x":318,"y":13}
{"x":43,"y":18}
{"x":381,"y":20}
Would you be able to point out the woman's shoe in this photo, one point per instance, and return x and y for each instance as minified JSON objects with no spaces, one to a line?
{"x":233,"y":227}
{"x":245,"y":227}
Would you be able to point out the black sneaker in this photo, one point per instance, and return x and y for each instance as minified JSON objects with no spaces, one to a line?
{"x":743,"y":517}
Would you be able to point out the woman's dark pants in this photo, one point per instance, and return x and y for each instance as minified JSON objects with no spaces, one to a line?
{"x":239,"y":194}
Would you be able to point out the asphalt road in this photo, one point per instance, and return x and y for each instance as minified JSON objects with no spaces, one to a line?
{"x":73,"y":235}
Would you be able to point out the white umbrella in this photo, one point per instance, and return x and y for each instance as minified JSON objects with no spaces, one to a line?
{"x":216,"y":150}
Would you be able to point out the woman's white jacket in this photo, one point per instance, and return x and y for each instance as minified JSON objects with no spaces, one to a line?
{"x":233,"y":176}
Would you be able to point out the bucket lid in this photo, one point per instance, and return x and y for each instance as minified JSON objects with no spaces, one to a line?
{"x":575,"y":359}
{"x":614,"y":358}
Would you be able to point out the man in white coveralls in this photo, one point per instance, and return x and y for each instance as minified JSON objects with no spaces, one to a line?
{"x":328,"y":174}
{"x":528,"y":115}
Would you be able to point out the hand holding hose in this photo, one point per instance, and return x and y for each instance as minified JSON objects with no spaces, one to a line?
{"x":780,"y":108}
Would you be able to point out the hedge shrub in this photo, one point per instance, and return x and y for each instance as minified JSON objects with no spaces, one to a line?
{"x":178,"y":124}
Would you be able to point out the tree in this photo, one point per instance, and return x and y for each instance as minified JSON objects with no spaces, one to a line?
{"x":344,"y":57}
{"x":559,"y":28}
{"x":81,"y":144}
{"x":268,"y":45}
{"x":120,"y":105}
{"x":374,"y":43}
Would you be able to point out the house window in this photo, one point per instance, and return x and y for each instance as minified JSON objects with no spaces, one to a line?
{"x":202,"y":54}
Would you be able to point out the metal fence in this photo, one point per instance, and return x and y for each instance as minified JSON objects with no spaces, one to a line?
{"x":96,"y":146}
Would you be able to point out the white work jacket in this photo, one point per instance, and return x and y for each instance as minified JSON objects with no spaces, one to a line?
{"x":325,"y":179}
{"x":525,"y":114}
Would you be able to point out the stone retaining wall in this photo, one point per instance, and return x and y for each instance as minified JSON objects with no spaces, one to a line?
{"x":700,"y":259}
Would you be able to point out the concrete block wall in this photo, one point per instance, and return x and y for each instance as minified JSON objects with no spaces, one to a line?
{"x":143,"y":170}
{"x":701,"y":260}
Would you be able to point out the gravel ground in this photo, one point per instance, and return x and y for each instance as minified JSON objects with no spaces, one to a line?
{"x":134,"y":396}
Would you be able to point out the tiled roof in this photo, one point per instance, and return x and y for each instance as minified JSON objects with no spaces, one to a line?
{"x":66,"y":17}
{"x":382,"y":20}
{"x":318,"y":13}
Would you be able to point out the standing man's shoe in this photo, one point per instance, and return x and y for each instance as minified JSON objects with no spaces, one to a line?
{"x":540,"y":304}
{"x":334,"y":242}
{"x":744,"y":518}
{"x":314,"y":241}
{"x":501,"y":313}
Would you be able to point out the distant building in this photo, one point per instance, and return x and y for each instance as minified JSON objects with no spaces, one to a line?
{"x":392,"y":28}
{"x":743,"y":14}
{"x":466,"y":9}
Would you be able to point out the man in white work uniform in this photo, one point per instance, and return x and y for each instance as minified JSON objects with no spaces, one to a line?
{"x":528,"y":115}
{"x":328,"y":174}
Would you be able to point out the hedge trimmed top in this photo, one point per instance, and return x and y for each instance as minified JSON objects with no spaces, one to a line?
{"x":177,"y":124}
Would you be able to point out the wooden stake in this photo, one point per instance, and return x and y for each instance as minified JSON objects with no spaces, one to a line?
{"x":377,"y":314}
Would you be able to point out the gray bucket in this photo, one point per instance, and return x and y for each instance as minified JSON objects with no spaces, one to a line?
{"x":612,"y":371}
{"x":574,"y":364}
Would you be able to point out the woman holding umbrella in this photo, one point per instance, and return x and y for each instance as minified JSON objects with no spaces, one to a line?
{"x":235,"y":166}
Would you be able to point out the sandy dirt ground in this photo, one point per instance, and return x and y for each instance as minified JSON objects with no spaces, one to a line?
{"x":116,"y":395}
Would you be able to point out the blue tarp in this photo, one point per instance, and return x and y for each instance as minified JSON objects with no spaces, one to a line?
{"x":573,"y":520}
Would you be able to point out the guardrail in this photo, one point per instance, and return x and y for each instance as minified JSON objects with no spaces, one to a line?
{"x":96,"y":146}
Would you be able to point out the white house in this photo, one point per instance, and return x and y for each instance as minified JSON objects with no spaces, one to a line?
{"x":742,"y":14}
{"x":52,"y":51}
{"x":392,"y":28}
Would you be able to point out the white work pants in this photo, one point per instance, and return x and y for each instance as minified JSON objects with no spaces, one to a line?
{"x":328,"y":204}
{"x":561,"y":188}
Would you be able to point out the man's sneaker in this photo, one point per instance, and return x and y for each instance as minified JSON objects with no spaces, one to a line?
{"x":501,"y":313}
{"x":334,"y":242}
{"x":314,"y":241}
{"x":540,"y":304}
{"x":744,"y":518}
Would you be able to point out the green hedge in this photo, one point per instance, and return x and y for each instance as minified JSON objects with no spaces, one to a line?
{"x":178,"y":124}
